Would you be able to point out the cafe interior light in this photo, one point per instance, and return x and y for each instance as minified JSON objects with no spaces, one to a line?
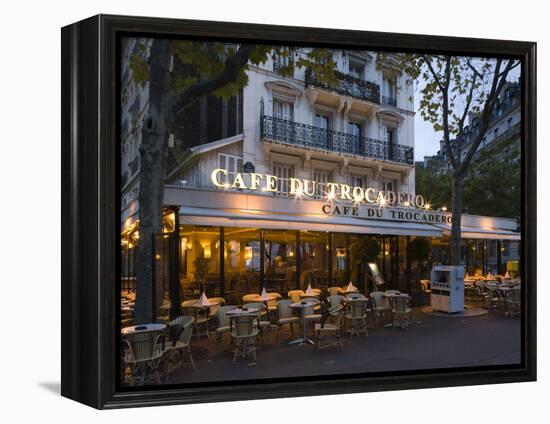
{"x":248,"y":253}
{"x":207,"y":250}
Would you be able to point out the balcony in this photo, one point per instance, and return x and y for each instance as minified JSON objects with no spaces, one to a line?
{"x":300,"y":135}
{"x":348,"y":85}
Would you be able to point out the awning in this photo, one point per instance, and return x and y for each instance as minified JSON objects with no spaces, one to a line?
{"x":246,"y":218}
{"x":482,"y":233}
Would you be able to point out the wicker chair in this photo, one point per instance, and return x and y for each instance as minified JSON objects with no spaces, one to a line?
{"x":333,"y":291}
{"x":426,"y":289}
{"x":214,"y":308}
{"x":401,"y":311}
{"x":336,"y":299}
{"x":513,"y":302}
{"x":181,"y":329}
{"x":357,"y":316}
{"x":380,"y":304}
{"x":251,"y":297}
{"x":332,"y":328}
{"x":285,"y":315}
{"x":262,"y":314}
{"x":244,"y":331}
{"x":143,"y":351}
{"x":223,"y":322}
{"x":200,"y":314}
{"x":294,"y":295}
{"x":272,"y":304}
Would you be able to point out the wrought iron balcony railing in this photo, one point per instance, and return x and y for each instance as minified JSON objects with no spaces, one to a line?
{"x":348,"y":85}
{"x":296,"y":134}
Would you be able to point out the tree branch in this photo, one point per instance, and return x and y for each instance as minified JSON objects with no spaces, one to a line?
{"x":445,"y":113}
{"x":432,"y":71}
{"x":233,"y":65}
{"x":499,"y":80}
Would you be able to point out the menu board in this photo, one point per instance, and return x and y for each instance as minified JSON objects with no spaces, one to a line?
{"x":376,"y":275}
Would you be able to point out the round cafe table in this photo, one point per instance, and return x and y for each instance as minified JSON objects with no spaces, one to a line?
{"x":241,"y":311}
{"x":302,"y":306}
{"x":139,"y":328}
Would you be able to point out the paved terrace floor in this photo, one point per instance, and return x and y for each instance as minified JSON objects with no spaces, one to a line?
{"x":431,"y":342}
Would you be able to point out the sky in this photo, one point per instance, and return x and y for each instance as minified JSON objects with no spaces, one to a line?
{"x":426,"y":140}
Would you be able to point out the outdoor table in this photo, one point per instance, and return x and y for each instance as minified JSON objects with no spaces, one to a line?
{"x":139,"y":328}
{"x":302,"y":306}
{"x":346,"y":292}
{"x":241,"y":311}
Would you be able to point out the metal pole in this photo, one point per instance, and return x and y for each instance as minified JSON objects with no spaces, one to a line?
{"x":222,"y":262}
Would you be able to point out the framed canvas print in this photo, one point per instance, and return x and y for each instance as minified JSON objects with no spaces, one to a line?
{"x":255,"y":211}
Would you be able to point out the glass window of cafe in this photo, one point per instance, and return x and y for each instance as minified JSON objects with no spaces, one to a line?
{"x":200,"y":260}
{"x":286,"y":260}
{"x":314,"y":265}
{"x":280,"y":263}
{"x":242,"y":262}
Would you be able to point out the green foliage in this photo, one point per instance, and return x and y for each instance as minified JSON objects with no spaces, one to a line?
{"x":201,"y":269}
{"x":438,"y":188}
{"x":139,"y":66}
{"x":492,"y":186}
{"x":196,"y":61}
{"x":419,"y":249}
{"x":364,"y":249}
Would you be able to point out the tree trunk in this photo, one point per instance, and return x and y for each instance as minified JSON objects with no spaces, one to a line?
{"x":458,"y":179}
{"x":151,"y":182}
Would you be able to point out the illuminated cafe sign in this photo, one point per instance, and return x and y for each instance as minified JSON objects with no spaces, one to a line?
{"x":366,"y":202}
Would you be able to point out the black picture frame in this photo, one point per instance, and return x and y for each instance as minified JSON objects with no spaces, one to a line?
{"x":90,"y":210}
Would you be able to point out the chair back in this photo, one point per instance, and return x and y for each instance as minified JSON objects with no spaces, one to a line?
{"x":294,"y":295}
{"x":250,"y":297}
{"x":243,"y":326}
{"x":283,"y":308}
{"x":144,"y":345}
{"x":358,"y":308}
{"x":256,"y":305}
{"x":379,"y":299}
{"x":514,"y":296}
{"x":425,"y":284}
{"x":220,"y":302}
{"x":273,"y":303}
{"x":333,"y":291}
{"x":181,"y":329}
{"x":392,"y":292}
{"x":312,"y":303}
{"x":335,"y":300}
{"x":221,"y":315}
{"x":401,"y":303}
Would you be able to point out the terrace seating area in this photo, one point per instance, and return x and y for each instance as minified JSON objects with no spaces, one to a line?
{"x":498,"y":294}
{"x":313,"y":317}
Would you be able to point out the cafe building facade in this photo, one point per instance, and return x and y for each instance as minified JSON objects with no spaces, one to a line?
{"x":277,"y":186}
